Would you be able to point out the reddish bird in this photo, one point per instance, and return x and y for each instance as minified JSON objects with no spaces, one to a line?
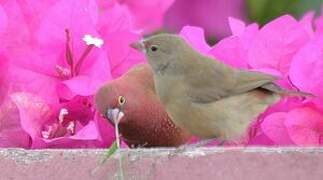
{"x":145,"y":122}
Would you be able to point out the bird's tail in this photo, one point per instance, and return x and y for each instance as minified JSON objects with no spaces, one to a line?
{"x":296,"y":93}
{"x":283,"y":92}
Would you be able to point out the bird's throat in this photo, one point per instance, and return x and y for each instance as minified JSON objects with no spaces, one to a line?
{"x":161,"y":68}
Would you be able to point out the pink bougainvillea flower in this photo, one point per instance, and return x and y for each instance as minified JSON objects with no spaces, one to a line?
{"x":246,"y":33}
{"x":148,"y":15}
{"x":306,"y":69}
{"x":66,"y":57}
{"x":61,"y":56}
{"x":223,"y":51}
{"x":12,"y":36}
{"x":83,"y":67}
{"x":195,"y":37}
{"x":11,"y":132}
{"x":239,"y":43}
{"x":59,"y":46}
{"x":276,"y":44}
{"x":57,"y":49}
{"x":274,"y":127}
{"x":301,"y":124}
{"x":3,"y":19}
{"x":3,"y":78}
{"x":237,"y":26}
{"x":70,"y":124}
{"x":115,"y":26}
{"x":105,"y":129}
{"x":319,"y":23}
{"x":260,"y":140}
{"x":269,"y":128}
{"x":211,"y":15}
{"x":305,"y":126}
{"x":307,"y":22}
{"x":234,"y":49}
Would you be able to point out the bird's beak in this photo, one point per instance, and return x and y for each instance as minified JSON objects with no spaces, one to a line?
{"x":114,"y":115}
{"x":139,"y":45}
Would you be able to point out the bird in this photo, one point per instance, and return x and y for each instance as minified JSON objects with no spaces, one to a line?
{"x":145,"y":122}
{"x":201,"y":94}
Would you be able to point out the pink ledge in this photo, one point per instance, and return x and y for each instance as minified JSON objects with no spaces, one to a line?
{"x":254,"y":163}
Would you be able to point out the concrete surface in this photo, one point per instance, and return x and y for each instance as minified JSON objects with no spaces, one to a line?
{"x":157,"y":164}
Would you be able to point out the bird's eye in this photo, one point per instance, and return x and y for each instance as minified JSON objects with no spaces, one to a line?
{"x":153,"y":48}
{"x":121,"y":100}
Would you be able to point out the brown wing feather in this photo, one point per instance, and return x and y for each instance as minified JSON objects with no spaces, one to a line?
{"x":215,"y":80}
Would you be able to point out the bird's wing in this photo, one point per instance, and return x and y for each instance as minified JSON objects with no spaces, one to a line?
{"x":248,"y":80}
{"x":218,"y":80}
{"x":277,"y":89}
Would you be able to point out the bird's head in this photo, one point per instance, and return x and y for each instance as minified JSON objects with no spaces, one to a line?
{"x":125,"y":95}
{"x":130,"y":99}
{"x":111,"y":101}
{"x":164,"y":50}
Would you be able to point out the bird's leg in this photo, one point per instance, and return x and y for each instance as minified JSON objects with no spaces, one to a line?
{"x":205,"y":142}
{"x":200,"y":143}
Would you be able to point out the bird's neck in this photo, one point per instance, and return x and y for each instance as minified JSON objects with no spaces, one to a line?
{"x":168,"y":68}
{"x":162,"y":68}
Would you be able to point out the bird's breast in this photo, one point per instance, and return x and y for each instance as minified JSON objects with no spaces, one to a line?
{"x":169,"y":88}
{"x":197,"y":119}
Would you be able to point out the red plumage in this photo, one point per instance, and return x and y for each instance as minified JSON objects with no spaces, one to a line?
{"x":145,"y":122}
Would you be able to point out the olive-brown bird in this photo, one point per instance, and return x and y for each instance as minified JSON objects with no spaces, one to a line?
{"x":145,"y":122}
{"x":203,"y":95}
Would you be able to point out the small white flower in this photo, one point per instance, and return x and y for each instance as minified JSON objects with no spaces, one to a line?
{"x":62,"y":113}
{"x":45,"y":134}
{"x":89,"y":40}
{"x":71,"y":127}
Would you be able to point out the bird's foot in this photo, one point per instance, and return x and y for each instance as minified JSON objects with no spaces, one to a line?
{"x":201,"y":143}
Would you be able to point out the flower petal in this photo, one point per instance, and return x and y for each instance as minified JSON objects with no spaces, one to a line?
{"x":88,"y":132}
{"x":59,"y":17}
{"x":33,"y":112}
{"x":29,"y":81}
{"x":307,"y":22}
{"x":11,"y":132}
{"x":274,"y":128}
{"x":148,"y":14}
{"x":121,"y":56}
{"x":306,"y":70}
{"x":223,"y":51}
{"x":276,"y":43}
{"x":106,"y":130}
{"x":237,"y":27}
{"x":3,"y":20}
{"x":195,"y":37}
{"x":93,"y":74}
{"x":319,"y":23}
{"x":305,"y":126}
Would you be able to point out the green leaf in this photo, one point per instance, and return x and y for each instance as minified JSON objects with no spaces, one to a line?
{"x":111,"y":150}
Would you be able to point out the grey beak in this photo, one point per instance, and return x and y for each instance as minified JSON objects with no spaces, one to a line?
{"x":139,"y":45}
{"x":109,"y":115}
{"x":114,"y":115}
